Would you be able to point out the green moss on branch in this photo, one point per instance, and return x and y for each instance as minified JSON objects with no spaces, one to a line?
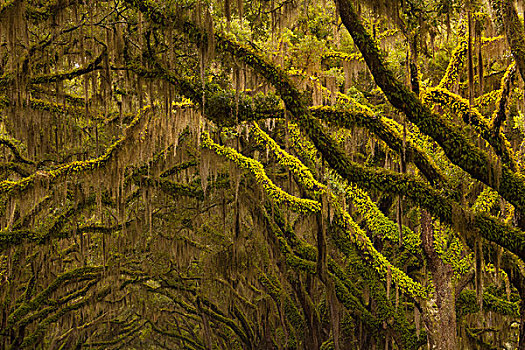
{"x":54,"y":77}
{"x":499,"y":115}
{"x":456,"y":61}
{"x":300,"y":205}
{"x":302,"y":174}
{"x":384,"y":129}
{"x":467,"y":304}
{"x":350,"y":232}
{"x":72,"y":275}
{"x":460,"y":106}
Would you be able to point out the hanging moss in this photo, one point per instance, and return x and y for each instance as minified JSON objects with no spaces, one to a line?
{"x":514,"y":31}
{"x":290,"y":257}
{"x":186,"y":338}
{"x":17,"y":187}
{"x":387,"y":130}
{"x":55,"y":77}
{"x":14,"y":145}
{"x":32,"y":338}
{"x":455,"y":144}
{"x":75,"y":274}
{"x":220,"y":103}
{"x":172,"y":188}
{"x":55,"y":108}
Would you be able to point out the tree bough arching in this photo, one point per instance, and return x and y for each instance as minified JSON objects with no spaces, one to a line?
{"x":262,"y":174}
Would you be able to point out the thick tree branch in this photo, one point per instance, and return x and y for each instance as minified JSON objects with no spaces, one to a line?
{"x":14,"y":146}
{"x":455,"y":144}
{"x":475,"y":161}
{"x":500,"y":113}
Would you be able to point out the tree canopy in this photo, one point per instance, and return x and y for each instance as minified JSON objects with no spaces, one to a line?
{"x":268,"y":174}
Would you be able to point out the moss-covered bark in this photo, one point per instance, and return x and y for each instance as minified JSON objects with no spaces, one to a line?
{"x":456,"y":145}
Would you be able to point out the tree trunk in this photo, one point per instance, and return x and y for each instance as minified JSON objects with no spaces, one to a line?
{"x":439,"y":313}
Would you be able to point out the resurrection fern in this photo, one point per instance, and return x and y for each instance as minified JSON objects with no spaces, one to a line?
{"x":486,"y":200}
{"x":460,"y":107}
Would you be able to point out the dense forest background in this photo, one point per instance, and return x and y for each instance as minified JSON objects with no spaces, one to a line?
{"x":268,"y":174}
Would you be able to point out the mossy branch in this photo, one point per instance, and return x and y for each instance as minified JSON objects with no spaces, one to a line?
{"x":378,"y":223}
{"x":456,"y":61}
{"x":499,"y":115}
{"x":300,"y":205}
{"x":460,"y":106}
{"x":346,"y":290}
{"x":77,"y":274}
{"x":14,"y":146}
{"x":467,"y":304}
{"x":301,"y":172}
{"x":55,"y":305}
{"x":180,"y":336}
{"x":351,"y":232}
{"x":342,"y":56}
{"x":172,"y":188}
{"x":54,"y":77}
{"x":514,"y":31}
{"x":487,"y":199}
{"x":56,"y":108}
{"x":488,"y":99}
{"x":384,"y":129}
{"x":220,"y":104}
{"x":126,"y":333}
{"x":41,"y":328}
{"x":456,"y":145}
{"x":446,"y":209}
